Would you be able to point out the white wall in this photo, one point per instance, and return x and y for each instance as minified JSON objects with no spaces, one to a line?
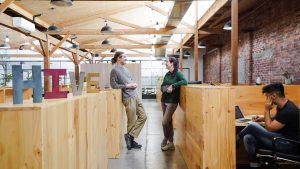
{"x":189,"y":63}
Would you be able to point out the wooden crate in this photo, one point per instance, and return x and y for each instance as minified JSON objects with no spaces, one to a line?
{"x":206,"y":127}
{"x":61,"y":133}
{"x":116,"y":119}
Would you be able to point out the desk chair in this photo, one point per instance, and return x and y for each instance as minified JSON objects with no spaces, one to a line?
{"x":274,"y":156}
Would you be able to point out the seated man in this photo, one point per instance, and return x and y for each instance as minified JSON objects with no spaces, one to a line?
{"x":285,"y":124}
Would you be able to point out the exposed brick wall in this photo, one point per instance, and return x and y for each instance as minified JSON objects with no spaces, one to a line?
{"x":272,"y":47}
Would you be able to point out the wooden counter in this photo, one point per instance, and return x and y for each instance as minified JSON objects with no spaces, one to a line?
{"x":56,"y":134}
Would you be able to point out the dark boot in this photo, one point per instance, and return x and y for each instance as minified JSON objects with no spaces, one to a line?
{"x":136,"y":145}
{"x":128,"y":140}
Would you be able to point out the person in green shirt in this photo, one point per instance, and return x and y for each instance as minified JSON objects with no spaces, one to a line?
{"x":170,"y":88}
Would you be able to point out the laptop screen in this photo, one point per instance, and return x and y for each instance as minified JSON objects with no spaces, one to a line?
{"x":238,"y":113}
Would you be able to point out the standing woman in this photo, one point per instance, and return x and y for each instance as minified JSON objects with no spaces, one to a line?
{"x":169,"y":100}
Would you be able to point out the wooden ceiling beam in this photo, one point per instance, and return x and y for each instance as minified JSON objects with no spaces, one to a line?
{"x":139,"y":52}
{"x":165,"y":13}
{"x":128,"y":54}
{"x":129,"y":40}
{"x":144,"y":46}
{"x":98,"y":39}
{"x":59,"y":44}
{"x":216,"y":6}
{"x":27,"y":14}
{"x":124,"y":23}
{"x":6,"y":21}
{"x":124,"y":31}
{"x":68,"y":55}
{"x":99,"y":14}
{"x":38,"y":49}
{"x":4,"y":5}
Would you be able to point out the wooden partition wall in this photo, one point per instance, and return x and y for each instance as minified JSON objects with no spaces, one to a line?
{"x":206,"y":121}
{"x":73,"y":133}
{"x":116,"y":123}
{"x":251,"y":100}
{"x":105,"y":68}
{"x":206,"y":128}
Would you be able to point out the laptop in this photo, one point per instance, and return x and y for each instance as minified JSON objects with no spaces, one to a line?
{"x":239,"y":117}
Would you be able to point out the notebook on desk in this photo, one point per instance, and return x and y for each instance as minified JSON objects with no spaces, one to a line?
{"x":239,"y":117}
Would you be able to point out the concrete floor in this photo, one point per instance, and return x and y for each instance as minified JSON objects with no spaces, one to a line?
{"x":150,"y":156}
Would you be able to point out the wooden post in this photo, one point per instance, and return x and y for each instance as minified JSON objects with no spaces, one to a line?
{"x":196,"y":44}
{"x":181,"y":57}
{"x":76,"y":64}
{"x":45,"y":48}
{"x":234,"y":42}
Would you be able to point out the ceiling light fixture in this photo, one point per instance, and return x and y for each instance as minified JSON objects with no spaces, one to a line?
{"x":62,"y":3}
{"x":201,"y":45}
{"x":227,"y":25}
{"x":54,"y":28}
{"x":187,"y":54}
{"x":105,"y":42}
{"x":6,"y":39}
{"x":4,"y":46}
{"x":106,"y":28}
{"x":74,"y":45}
{"x":157,"y":27}
{"x":113,"y":50}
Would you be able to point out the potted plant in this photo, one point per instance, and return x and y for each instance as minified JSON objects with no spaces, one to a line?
{"x":287,"y":77}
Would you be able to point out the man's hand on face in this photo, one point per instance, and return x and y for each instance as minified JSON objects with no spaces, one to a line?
{"x":269,"y":104}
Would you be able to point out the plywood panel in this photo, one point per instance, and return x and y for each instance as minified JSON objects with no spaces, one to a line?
{"x":206,"y":128}
{"x":251,"y":100}
{"x":60,"y":133}
{"x":19,"y":146}
{"x":96,"y":131}
{"x":115,"y":121}
{"x":105,"y":68}
{"x":219,"y":129}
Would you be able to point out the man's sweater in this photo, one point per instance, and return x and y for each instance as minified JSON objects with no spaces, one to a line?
{"x":119,"y":78}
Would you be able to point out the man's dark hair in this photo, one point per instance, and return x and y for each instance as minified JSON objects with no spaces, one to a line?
{"x":274,"y":88}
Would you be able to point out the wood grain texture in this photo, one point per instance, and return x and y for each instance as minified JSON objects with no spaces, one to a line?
{"x":105,"y":68}
{"x":60,"y":133}
{"x":116,"y":118}
{"x":206,"y":128}
{"x":251,"y":100}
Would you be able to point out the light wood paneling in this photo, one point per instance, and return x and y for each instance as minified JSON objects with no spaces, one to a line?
{"x":251,"y":100}
{"x":105,"y":68}
{"x":61,"y":133}
{"x":115,"y":125}
{"x":206,"y":128}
